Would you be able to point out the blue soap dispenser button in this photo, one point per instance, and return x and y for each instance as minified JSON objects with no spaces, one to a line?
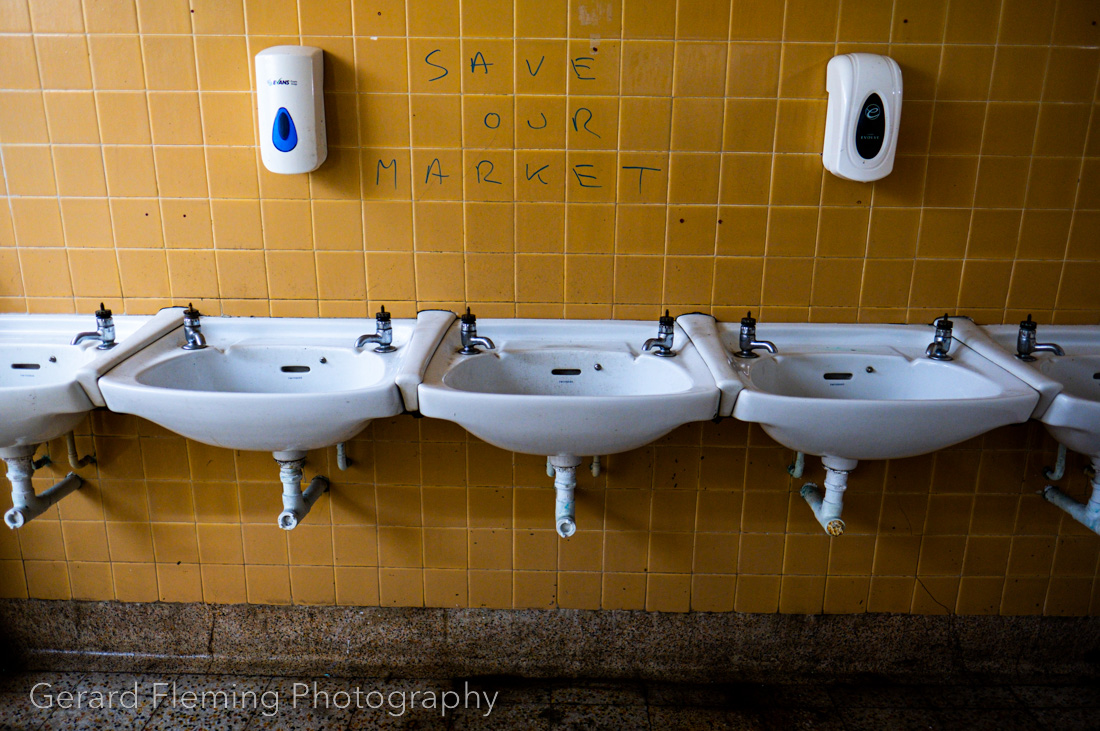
{"x":283,"y":134}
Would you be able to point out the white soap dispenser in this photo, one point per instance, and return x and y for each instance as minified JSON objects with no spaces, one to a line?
{"x":291,"y":108}
{"x":861,"y":124}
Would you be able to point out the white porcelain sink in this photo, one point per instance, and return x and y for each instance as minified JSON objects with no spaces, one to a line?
{"x":47,"y":385}
{"x":1070,"y":383}
{"x":861,"y":391}
{"x":275,"y":385}
{"x":852,"y":392}
{"x":568,"y":387}
{"x":1069,"y":405}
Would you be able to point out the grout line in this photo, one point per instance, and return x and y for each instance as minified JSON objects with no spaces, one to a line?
{"x":50,"y":145}
{"x":1077,"y":194}
{"x":771,"y":165}
{"x":1027,"y":190}
{"x":821,"y":186}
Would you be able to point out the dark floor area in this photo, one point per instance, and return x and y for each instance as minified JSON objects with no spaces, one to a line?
{"x":224,"y":702}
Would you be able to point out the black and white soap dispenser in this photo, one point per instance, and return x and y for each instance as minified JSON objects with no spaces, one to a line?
{"x":861,"y":125}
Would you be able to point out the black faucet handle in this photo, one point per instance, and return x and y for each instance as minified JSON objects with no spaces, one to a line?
{"x":382,"y":315}
{"x":1028,"y":325}
{"x":191,"y":313}
{"x":102,"y":313}
{"x":666,"y":321}
{"x":748,"y":320}
{"x":944,"y":323}
{"x":469,"y":318}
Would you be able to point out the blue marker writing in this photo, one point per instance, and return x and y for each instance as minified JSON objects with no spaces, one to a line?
{"x":584,"y":175}
{"x":427,"y":60}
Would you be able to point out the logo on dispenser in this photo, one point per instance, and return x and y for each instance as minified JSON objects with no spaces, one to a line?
{"x":282,"y":82}
{"x":283,"y":133}
{"x":871,"y":128}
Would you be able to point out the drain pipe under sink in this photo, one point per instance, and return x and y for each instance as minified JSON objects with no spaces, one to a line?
{"x":827,"y":509}
{"x":565,"y":482}
{"x":297,"y":504}
{"x":27,"y":506}
{"x":1087,"y":514}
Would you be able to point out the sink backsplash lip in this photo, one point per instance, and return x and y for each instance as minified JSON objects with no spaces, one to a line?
{"x":284,"y":329}
{"x":1083,"y":338}
{"x":824,"y":335}
{"x":230,"y":336}
{"x":60,"y":329}
{"x":965,"y":360}
{"x":617,"y":337}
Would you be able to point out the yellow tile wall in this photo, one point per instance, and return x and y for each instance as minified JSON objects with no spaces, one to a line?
{"x":584,"y":159}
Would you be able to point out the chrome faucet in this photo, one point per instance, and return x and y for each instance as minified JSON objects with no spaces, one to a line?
{"x":470,"y":339}
{"x":941,"y":342}
{"x":383,"y":334}
{"x":192,"y":329}
{"x":104,"y":330}
{"x":748,"y":342}
{"x":1026,"y":345}
{"x":662,"y":344}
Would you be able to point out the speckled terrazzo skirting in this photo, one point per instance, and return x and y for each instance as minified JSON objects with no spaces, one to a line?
{"x":297,"y":640}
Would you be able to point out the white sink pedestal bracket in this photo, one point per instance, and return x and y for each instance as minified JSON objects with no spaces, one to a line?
{"x":75,"y":460}
{"x":297,"y":504}
{"x":794,"y":469}
{"x":342,"y":460}
{"x":827,"y":510}
{"x":1087,"y":514}
{"x":565,"y":482}
{"x":1059,"y":468}
{"x":27,"y":506}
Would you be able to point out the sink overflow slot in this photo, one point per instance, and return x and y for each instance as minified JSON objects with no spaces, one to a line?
{"x":566,"y":371}
{"x":838,"y":376}
{"x":1095,"y":376}
{"x":25,"y":366}
{"x":295,"y":369}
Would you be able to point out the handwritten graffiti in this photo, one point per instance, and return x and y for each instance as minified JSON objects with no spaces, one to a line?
{"x":585,"y":121}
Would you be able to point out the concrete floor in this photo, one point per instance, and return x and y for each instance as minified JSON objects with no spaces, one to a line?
{"x":536,"y":704}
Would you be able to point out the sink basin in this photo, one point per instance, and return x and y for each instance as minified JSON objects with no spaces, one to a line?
{"x":47,"y":385}
{"x":859,"y":392}
{"x":276,"y":385}
{"x":1070,"y":383}
{"x":568,"y":387}
{"x":1074,"y":417}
